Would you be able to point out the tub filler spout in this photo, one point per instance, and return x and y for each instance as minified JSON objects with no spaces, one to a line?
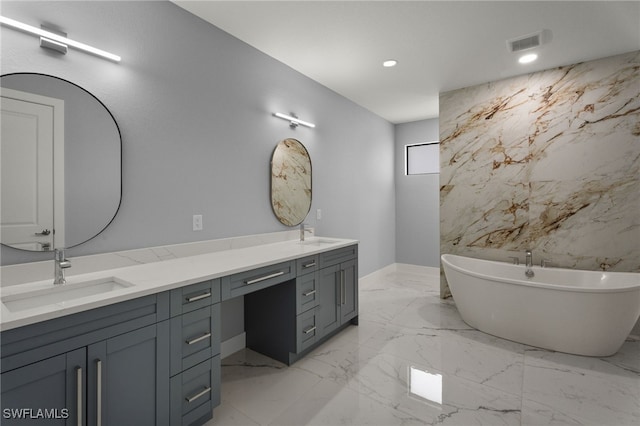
{"x":529,"y":261}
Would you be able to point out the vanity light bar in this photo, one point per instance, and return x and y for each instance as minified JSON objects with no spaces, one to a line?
{"x":57,"y":38}
{"x":294,"y":121}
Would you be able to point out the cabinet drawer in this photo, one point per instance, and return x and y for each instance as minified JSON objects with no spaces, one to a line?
{"x":306,"y":265}
{"x":195,"y":337}
{"x":195,"y":392}
{"x":256,"y":279}
{"x":305,"y":330}
{"x":195,"y":296}
{"x":334,"y":257}
{"x":306,"y":293}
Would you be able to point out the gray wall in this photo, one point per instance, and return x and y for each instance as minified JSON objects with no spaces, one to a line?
{"x":417,"y":200}
{"x":194,"y":107}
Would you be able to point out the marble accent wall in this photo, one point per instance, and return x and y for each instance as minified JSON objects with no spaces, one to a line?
{"x":547,"y":161}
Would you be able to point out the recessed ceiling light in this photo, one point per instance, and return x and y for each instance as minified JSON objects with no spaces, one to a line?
{"x":526,"y":59}
{"x":390,"y":63}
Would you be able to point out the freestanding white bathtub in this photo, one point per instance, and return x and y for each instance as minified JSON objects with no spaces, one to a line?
{"x":574,"y":311}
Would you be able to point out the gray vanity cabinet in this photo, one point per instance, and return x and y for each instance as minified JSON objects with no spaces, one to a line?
{"x":287,"y":320}
{"x":337,"y":291}
{"x":109,"y":364}
{"x":195,"y":353}
{"x":126,"y":377}
{"x":55,"y":384}
{"x":155,"y":360}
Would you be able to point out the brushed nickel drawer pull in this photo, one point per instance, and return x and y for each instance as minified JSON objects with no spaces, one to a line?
{"x":200,"y":394}
{"x":309,"y":330}
{"x":309,"y":265}
{"x":199,"y":297}
{"x":266,"y":277}
{"x":198,"y":339}
{"x":309,"y":293}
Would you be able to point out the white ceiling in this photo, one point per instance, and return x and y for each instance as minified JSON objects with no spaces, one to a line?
{"x":440,"y":45}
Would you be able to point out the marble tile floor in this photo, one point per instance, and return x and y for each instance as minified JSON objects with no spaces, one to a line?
{"x":413,"y":361}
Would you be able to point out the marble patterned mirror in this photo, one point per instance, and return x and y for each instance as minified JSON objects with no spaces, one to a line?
{"x":291,"y":182}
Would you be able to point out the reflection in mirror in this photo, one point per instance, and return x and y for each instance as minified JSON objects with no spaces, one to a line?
{"x":291,"y":182}
{"x":60,"y":153}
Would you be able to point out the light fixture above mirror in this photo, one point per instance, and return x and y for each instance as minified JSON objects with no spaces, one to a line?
{"x":55,"y":41}
{"x":294,"y":121}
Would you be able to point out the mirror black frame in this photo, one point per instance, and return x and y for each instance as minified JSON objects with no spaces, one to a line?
{"x":115,"y":213}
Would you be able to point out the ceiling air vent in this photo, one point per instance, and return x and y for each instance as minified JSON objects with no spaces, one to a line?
{"x":529,"y":41}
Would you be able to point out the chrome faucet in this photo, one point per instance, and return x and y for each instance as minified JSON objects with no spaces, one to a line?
{"x":529,"y":264}
{"x":60,"y":264}
{"x":302,"y":231}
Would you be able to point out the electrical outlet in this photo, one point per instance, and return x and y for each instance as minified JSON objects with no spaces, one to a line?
{"x":197,"y":222}
{"x":319,"y":214}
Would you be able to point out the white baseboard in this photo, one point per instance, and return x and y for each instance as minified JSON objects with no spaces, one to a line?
{"x":400,"y":267}
{"x":233,"y":345}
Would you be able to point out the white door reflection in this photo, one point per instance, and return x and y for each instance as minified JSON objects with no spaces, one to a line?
{"x":425,"y":385}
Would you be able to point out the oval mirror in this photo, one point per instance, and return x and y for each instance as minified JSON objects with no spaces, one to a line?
{"x":291,"y":182}
{"x":60,"y":153}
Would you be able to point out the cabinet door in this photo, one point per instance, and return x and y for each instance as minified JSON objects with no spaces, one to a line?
{"x":128,"y":378}
{"x":349,"y":291}
{"x":47,"y":392}
{"x":328,"y":315}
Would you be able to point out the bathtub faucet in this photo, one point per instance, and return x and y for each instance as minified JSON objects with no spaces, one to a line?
{"x":529,"y":263}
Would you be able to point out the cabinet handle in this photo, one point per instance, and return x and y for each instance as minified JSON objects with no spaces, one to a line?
{"x":309,"y":265}
{"x":309,"y":330}
{"x":266,"y":277}
{"x":198,"y":339}
{"x":199,"y":297}
{"x":309,"y":293}
{"x":79,"y":409}
{"x":343,"y":291}
{"x":203,"y":392}
{"x":99,"y":392}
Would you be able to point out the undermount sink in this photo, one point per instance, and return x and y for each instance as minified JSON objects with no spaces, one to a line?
{"x":55,"y":294}
{"x":317,"y":241}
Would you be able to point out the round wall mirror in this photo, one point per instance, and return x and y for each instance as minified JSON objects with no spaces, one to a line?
{"x":61,"y":155}
{"x":291,"y":182}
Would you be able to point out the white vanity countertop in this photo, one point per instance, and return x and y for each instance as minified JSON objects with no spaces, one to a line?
{"x":156,"y":277}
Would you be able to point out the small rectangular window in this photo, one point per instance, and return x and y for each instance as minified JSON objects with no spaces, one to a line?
{"x":422,"y":158}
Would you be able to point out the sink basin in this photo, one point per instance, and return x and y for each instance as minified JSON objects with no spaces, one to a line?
{"x":55,"y":294}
